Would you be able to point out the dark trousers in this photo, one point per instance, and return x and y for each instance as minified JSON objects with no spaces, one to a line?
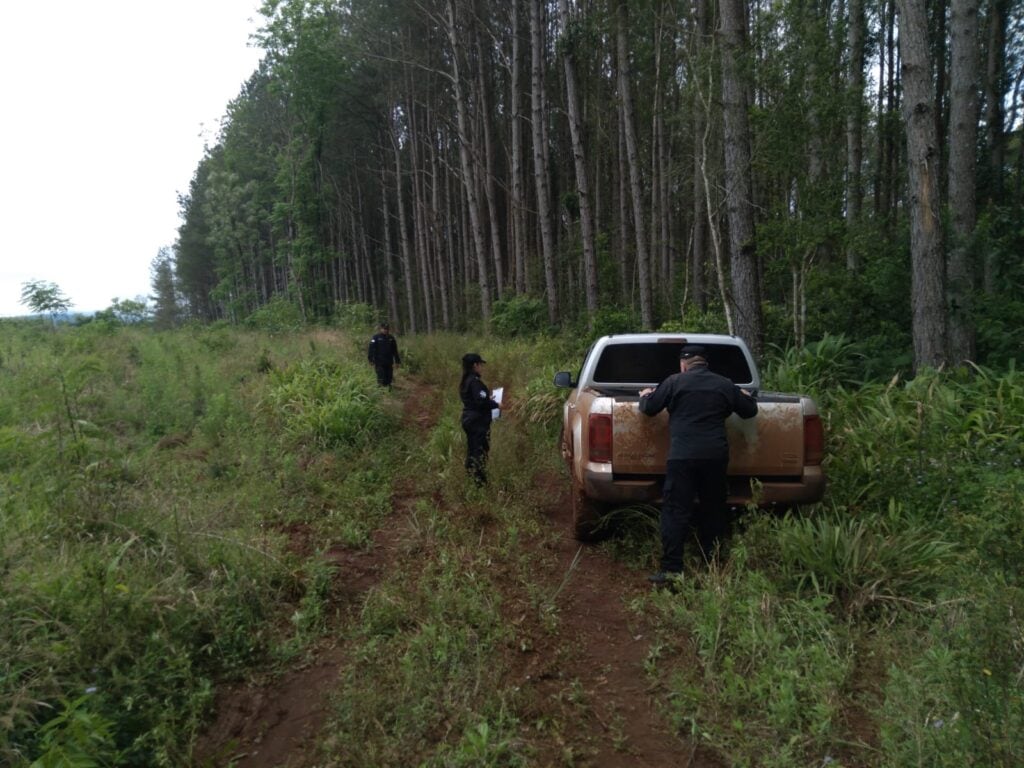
{"x":478,"y":444}
{"x":385,"y":375}
{"x":688,"y":480}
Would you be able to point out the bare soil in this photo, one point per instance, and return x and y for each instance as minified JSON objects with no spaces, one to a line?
{"x":588,"y":675}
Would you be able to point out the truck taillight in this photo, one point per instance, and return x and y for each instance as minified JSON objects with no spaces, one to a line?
{"x":814,"y":440}
{"x":600,"y":426}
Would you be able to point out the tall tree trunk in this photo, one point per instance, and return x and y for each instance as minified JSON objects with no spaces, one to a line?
{"x":659,"y":171}
{"x":436,"y":225}
{"x":927,"y":269}
{"x":746,"y":294}
{"x":854,"y":130}
{"x":995,"y":74}
{"x":633,"y":160}
{"x":580,"y":160}
{"x":699,"y":37}
{"x":419,"y":213}
{"x":489,"y":178}
{"x":449,"y":223}
{"x":389,"y":269}
{"x":540,"y":158}
{"x":469,"y":168}
{"x":403,"y":235}
{"x":518,"y":194}
{"x":963,"y":140}
{"x":625,"y":273}
{"x":937,"y":8}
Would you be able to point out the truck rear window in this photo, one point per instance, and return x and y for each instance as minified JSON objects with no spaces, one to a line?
{"x":656,"y":361}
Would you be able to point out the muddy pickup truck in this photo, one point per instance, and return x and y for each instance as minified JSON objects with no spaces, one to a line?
{"x":616,"y":455}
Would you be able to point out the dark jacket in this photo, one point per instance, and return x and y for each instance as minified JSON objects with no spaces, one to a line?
{"x":698,"y":403}
{"x":383,"y":350}
{"x":476,"y":400}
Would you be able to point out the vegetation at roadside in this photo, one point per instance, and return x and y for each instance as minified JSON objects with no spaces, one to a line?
{"x":148,"y":484}
{"x":885,"y":627}
{"x":167,"y":497}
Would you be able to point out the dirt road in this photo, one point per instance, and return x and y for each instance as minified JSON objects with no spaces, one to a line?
{"x":598,"y":653}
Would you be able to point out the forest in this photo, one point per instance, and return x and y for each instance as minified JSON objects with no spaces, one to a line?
{"x":223,"y":544}
{"x":776,"y":170}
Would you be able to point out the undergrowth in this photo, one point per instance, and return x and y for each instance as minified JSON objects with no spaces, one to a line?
{"x":898,"y":598}
{"x":148,"y":483}
{"x":165,"y":495}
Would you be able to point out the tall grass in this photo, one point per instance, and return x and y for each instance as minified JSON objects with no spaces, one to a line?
{"x":144,"y":478}
{"x":149,"y":481}
{"x":906,"y":584}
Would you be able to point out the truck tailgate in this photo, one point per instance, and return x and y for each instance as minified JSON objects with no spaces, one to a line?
{"x":769,"y":445}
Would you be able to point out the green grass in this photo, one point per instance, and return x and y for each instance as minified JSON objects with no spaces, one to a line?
{"x":147,"y":482}
{"x":151,"y":485}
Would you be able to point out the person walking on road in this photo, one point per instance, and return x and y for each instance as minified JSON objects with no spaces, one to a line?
{"x":477,"y":405}
{"x":383,"y":355}
{"x":698,"y":403}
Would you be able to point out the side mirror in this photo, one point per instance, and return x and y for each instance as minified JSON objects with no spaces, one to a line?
{"x":564,"y":379}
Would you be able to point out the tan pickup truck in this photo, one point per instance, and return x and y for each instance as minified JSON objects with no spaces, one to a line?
{"x":616,"y":455}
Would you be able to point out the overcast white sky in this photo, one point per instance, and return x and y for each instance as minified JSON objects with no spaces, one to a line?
{"x":106,"y":109}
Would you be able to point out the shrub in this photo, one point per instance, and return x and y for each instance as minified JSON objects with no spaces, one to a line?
{"x":815,"y":368}
{"x":519,"y":316}
{"x":332,"y":405}
{"x":862,"y":561}
{"x":609,"y":320}
{"x":354,"y":316}
{"x":276,"y":316}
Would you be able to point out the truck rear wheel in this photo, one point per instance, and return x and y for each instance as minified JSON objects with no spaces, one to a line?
{"x":586,"y":515}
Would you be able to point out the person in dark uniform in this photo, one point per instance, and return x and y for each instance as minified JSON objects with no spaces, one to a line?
{"x":477,"y":405}
{"x":698,"y":403}
{"x":383,"y":355}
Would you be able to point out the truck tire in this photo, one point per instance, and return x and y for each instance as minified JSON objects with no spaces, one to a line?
{"x":586,"y":515}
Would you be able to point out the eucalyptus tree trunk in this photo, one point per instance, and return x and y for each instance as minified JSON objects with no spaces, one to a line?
{"x":419,"y":217}
{"x":659,"y":205}
{"x":625,"y":274}
{"x":885,"y":183}
{"x":436,"y":224}
{"x":963,"y":140}
{"x":490,"y":191}
{"x":389,"y":268}
{"x":453,"y":272}
{"x":709,"y":208}
{"x":590,"y":286}
{"x":403,"y":235}
{"x":995,"y":74}
{"x":937,"y":10}
{"x":700,"y":35}
{"x":927,"y":295}
{"x":745,"y":284}
{"x":469,"y":167}
{"x":518,"y":195}
{"x":540,"y":158}
{"x":633,"y":161}
{"x":854,"y":128}
{"x":375,"y":296}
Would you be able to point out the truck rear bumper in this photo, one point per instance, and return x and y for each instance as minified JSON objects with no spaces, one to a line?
{"x":601,"y":485}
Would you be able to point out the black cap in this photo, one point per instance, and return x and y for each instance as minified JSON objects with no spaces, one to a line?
{"x":691,"y":350}
{"x":472,"y":357}
{"x":385,"y":327}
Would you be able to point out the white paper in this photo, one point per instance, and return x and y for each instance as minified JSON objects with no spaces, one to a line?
{"x":496,"y":396}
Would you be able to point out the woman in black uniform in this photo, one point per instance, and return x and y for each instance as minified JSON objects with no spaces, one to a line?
{"x":477,"y":405}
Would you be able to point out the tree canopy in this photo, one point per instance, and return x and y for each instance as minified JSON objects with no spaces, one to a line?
{"x":741,"y":167}
{"x":44,"y":297}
